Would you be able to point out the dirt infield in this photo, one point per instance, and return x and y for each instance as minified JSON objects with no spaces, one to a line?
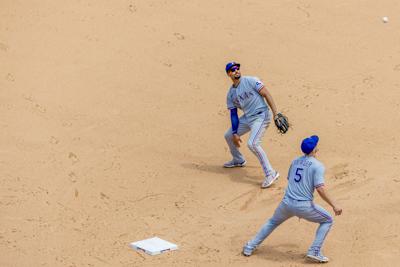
{"x":113,"y":115}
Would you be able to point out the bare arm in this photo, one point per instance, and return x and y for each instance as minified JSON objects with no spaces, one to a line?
{"x":264,"y":92}
{"x":324,"y":195}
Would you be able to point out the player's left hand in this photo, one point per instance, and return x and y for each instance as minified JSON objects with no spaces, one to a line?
{"x":337,"y":210}
{"x":281,"y":122}
{"x":236,"y":140}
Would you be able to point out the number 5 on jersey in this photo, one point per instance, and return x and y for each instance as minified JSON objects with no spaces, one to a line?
{"x":298,"y":174}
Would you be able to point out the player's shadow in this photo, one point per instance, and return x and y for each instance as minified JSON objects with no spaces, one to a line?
{"x":238,"y":175}
{"x":281,"y":253}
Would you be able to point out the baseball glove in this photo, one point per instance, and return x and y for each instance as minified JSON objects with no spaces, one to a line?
{"x":282,"y":123}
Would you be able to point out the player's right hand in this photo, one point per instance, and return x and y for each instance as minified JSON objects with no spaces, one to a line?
{"x":236,"y":140}
{"x":337,"y":211}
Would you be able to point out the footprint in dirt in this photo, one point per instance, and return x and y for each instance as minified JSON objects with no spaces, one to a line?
{"x":340,"y":171}
{"x":54,"y":140}
{"x":132,"y":8}
{"x":10,"y":77}
{"x":345,"y":178}
{"x":179,"y":36}
{"x":3,"y":47}
{"x":72,"y":177}
{"x":73,"y":157}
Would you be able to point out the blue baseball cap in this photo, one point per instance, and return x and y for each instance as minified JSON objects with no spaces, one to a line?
{"x":230,"y":65}
{"x":309,"y":143}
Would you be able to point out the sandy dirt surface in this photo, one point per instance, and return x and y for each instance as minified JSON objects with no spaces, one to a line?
{"x":113,"y":115}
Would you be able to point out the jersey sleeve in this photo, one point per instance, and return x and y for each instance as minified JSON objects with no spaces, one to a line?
{"x":256,"y":84}
{"x":229,"y":101}
{"x":319,"y":173}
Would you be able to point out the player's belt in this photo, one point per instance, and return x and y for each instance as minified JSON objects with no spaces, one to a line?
{"x":297,"y":199}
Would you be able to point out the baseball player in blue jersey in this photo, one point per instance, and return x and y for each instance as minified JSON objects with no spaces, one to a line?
{"x":306,"y":173}
{"x":248,"y":93}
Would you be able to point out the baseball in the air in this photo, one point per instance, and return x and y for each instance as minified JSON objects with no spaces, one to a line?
{"x":385,"y":19}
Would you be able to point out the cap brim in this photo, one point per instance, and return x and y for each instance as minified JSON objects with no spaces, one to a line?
{"x":234,"y":65}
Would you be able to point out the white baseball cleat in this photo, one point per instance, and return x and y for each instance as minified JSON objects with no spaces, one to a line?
{"x":233,"y":164}
{"x":270,"y":180}
{"x":317,"y":258}
{"x":247,"y":250}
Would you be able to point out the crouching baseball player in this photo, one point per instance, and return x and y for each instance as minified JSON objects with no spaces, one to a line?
{"x":306,"y":173}
{"x":248,"y":93}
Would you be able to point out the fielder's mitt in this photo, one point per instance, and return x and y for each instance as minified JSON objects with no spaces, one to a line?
{"x":282,"y":123}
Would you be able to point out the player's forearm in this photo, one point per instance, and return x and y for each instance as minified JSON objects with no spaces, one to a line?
{"x":324,"y":195}
{"x":271,"y":102}
{"x":234,"y":120}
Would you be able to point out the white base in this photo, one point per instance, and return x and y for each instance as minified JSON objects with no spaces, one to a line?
{"x":153,"y":246}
